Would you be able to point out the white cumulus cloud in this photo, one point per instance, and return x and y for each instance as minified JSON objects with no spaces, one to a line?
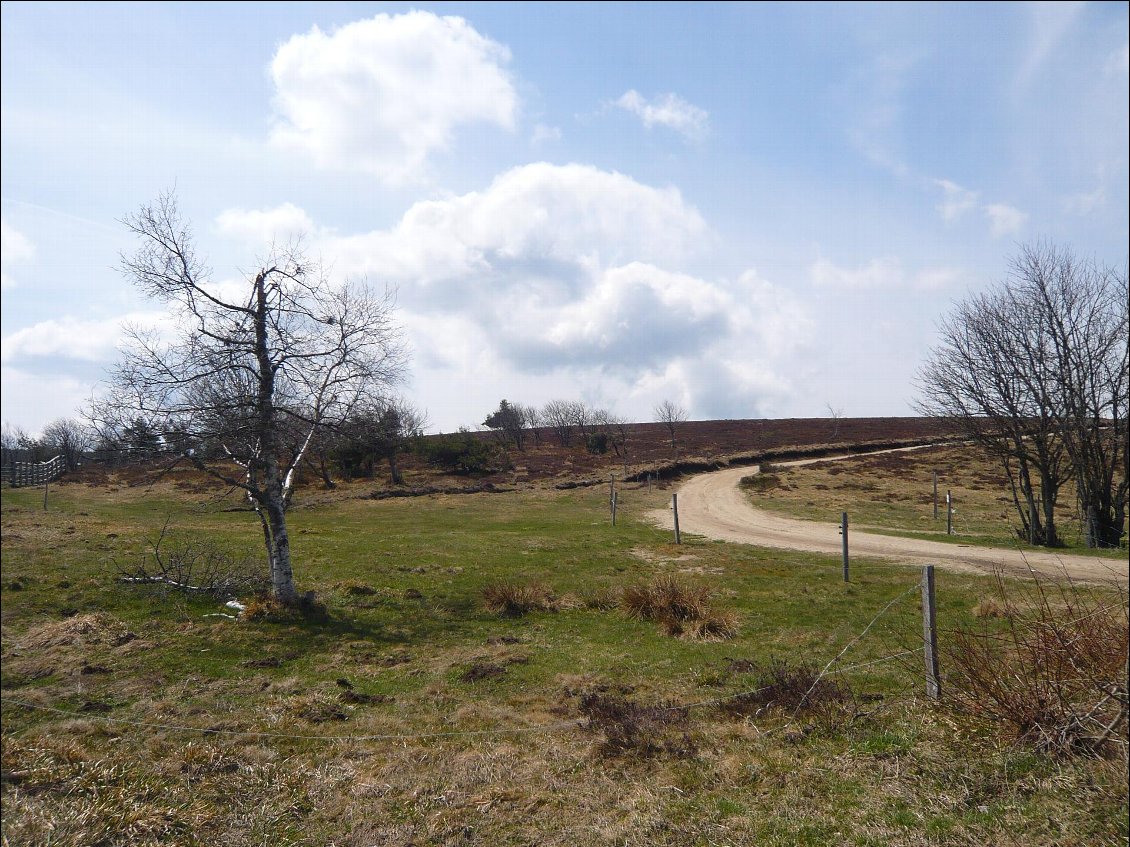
{"x":262,"y":227}
{"x":669,"y":110}
{"x":75,"y":338}
{"x":540,"y":226}
{"x":570,"y":275}
{"x":381,"y":95}
{"x":15,"y":248}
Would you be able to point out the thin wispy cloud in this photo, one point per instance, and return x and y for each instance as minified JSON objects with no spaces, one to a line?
{"x":667,"y":110}
{"x":1005,"y":219}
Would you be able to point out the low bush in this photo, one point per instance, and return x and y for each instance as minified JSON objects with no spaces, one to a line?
{"x":795,"y":688}
{"x":1049,"y":666}
{"x":760,"y":482}
{"x":462,"y":454}
{"x":632,"y":728}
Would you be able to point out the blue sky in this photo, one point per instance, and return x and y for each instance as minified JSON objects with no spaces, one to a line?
{"x":754,"y":210}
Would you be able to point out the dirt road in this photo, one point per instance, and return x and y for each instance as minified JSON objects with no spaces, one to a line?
{"x":713,"y":506}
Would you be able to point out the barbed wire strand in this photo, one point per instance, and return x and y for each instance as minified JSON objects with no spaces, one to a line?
{"x":552,"y":727}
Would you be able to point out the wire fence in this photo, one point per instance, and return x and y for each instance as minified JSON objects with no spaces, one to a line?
{"x":556,"y":726}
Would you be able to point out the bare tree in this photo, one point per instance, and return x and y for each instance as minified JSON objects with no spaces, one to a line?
{"x":1084,"y":309}
{"x":249,"y":377}
{"x":532,"y":417}
{"x":615,"y":429}
{"x":400,"y":424}
{"x":1035,"y":371}
{"x":837,"y":416}
{"x":671,"y":415}
{"x":70,"y":438}
{"x":560,"y":416}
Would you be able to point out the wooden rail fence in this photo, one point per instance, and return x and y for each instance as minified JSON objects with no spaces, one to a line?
{"x":20,"y":474}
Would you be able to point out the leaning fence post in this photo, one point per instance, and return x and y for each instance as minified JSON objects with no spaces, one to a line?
{"x":844,"y":533}
{"x":675,"y":508}
{"x":930,"y":634}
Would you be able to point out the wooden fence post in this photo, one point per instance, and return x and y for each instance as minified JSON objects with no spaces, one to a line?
{"x":930,"y":634}
{"x":949,"y":513}
{"x":675,"y":508}
{"x":844,"y":533}
{"x":614,"y":493}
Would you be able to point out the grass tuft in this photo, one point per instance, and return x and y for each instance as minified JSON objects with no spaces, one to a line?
{"x":682,"y":610}
{"x":514,"y":599}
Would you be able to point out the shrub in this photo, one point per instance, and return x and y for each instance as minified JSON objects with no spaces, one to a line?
{"x":760,"y":482}
{"x":463,"y":454}
{"x":796,"y":688}
{"x":632,"y":728}
{"x":1052,"y":671}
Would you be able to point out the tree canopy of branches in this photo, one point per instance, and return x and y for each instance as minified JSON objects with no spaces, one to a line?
{"x":561,"y":416}
{"x":509,"y":423}
{"x":1035,"y":370}
{"x":671,"y":415}
{"x":70,"y":438}
{"x":382,"y":430}
{"x":249,"y":373}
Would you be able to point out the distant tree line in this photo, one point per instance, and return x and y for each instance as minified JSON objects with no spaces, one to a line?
{"x":64,"y":437}
{"x":568,"y":422}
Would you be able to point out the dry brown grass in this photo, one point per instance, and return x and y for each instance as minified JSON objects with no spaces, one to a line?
{"x":98,"y":628}
{"x":514,"y":599}
{"x":682,"y":610}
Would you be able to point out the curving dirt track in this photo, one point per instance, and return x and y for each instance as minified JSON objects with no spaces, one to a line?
{"x":713,"y":506}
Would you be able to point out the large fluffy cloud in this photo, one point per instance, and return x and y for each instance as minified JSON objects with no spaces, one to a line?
{"x":68,"y":337}
{"x":538,"y":226}
{"x":381,"y":95}
{"x":573,"y":280}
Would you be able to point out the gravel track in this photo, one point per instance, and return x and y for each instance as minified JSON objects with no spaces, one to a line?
{"x":712,"y":505}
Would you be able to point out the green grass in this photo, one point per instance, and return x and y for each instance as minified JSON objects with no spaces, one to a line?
{"x":402,"y":582}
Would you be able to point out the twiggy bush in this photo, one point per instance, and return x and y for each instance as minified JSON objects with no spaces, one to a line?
{"x":189,"y":565}
{"x":1052,"y":671}
{"x":631,"y":728}
{"x":796,"y":688}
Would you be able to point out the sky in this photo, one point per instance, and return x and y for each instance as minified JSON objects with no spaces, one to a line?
{"x":752,"y":210}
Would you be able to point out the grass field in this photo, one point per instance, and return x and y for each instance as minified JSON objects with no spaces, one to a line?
{"x":406,"y":712}
{"x":893,"y":493}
